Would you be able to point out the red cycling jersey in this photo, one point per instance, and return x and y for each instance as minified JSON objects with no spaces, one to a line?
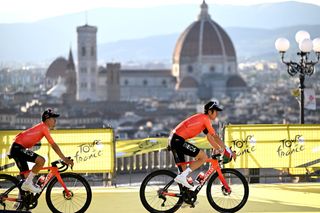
{"x":193,"y":126}
{"x":30,"y":137}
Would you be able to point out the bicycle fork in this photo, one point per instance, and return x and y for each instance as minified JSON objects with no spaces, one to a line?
{"x":225,"y":186}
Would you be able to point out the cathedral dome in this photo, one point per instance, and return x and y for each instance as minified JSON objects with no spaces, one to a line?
{"x":57,"y":68}
{"x":203,"y":37}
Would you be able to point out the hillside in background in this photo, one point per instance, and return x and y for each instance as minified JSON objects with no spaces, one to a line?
{"x":150,"y":34}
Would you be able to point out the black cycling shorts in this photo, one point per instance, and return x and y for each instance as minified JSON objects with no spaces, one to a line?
{"x":22,"y":156}
{"x":180,"y":147}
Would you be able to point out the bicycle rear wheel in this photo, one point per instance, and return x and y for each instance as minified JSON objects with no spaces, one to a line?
{"x":80,"y":198}
{"x":154,"y":196}
{"x":223,"y":201}
{"x":10,"y":193}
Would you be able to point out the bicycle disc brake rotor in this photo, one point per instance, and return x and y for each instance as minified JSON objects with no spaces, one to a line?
{"x":225,"y":191}
{"x":66,"y":196}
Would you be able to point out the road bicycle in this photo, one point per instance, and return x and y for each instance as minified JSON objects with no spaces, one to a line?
{"x":66,"y":192}
{"x":227,"y":189}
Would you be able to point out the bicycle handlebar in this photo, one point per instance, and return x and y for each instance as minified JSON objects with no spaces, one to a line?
{"x":64,"y":166}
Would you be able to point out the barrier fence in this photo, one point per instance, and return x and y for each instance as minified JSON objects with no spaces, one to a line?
{"x":91,"y":149}
{"x":257,"y":146}
{"x":274,"y":146}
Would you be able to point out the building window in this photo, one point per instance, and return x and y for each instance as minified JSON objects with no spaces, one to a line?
{"x":229,"y":68}
{"x":126,"y":82}
{"x":83,"y":85}
{"x":190,"y":69}
{"x":93,"y":70}
{"x":83,"y":51}
{"x":83,"y":70}
{"x":164,"y":83}
{"x":212,"y":69}
{"x":145,"y":82}
{"x":93,"y":86}
{"x":92,"y":51}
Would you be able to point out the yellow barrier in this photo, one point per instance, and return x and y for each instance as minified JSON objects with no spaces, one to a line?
{"x":274,"y":146}
{"x":257,"y":146}
{"x":126,"y":148}
{"x":91,"y":149}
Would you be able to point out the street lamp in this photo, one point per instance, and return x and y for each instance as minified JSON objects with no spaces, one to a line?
{"x":304,"y":66}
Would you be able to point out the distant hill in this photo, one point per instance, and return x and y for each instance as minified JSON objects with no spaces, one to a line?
{"x":139,"y":34}
{"x":250,"y":44}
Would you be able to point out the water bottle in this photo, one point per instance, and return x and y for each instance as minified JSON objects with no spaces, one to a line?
{"x":200,"y":177}
{"x":41,"y":180}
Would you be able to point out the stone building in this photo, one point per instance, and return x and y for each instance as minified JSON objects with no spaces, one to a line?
{"x":204,"y":66}
{"x":204,"y":60}
{"x":87,"y":63}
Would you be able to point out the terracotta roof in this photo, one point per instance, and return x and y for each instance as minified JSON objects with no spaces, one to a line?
{"x":204,"y":37}
{"x":57,"y":68}
{"x":188,"y":82}
{"x":236,"y":81}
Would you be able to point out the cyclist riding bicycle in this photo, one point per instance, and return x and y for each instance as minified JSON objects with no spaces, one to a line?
{"x":190,"y":128}
{"x":21,"y":153}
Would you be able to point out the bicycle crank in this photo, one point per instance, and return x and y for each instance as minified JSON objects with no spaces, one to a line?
{"x":190,"y":198}
{"x":30,"y":201}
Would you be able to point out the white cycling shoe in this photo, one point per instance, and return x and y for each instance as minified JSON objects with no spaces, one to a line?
{"x":30,"y":187}
{"x":183,"y":180}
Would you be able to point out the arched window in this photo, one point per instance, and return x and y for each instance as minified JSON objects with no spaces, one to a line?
{"x":190,"y":69}
{"x":145,"y":82}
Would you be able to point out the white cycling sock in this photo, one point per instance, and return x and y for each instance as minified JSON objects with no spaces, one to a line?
{"x":30,"y":177}
{"x":186,"y":172}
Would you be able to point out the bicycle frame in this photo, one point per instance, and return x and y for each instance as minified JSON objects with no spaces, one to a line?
{"x":215,"y":166}
{"x":54,"y":171}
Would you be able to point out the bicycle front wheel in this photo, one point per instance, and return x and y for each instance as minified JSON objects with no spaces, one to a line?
{"x":78,"y":201}
{"x":10,"y":193}
{"x":224,"y":201}
{"x":158,"y":192}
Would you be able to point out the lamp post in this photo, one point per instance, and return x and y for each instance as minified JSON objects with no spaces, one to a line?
{"x":304,"y":66}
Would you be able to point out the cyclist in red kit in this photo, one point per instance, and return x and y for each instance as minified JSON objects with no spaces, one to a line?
{"x":27,"y":139}
{"x":190,"y":128}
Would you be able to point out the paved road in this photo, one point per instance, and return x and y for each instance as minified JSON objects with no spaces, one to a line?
{"x":263,"y":198}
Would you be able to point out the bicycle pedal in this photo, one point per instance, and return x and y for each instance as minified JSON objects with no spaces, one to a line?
{"x":190,"y":205}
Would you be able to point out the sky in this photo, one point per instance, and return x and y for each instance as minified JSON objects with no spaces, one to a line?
{"x":14,"y":11}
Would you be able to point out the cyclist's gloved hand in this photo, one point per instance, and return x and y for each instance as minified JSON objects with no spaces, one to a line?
{"x":68,"y":161}
{"x":228,"y":155}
